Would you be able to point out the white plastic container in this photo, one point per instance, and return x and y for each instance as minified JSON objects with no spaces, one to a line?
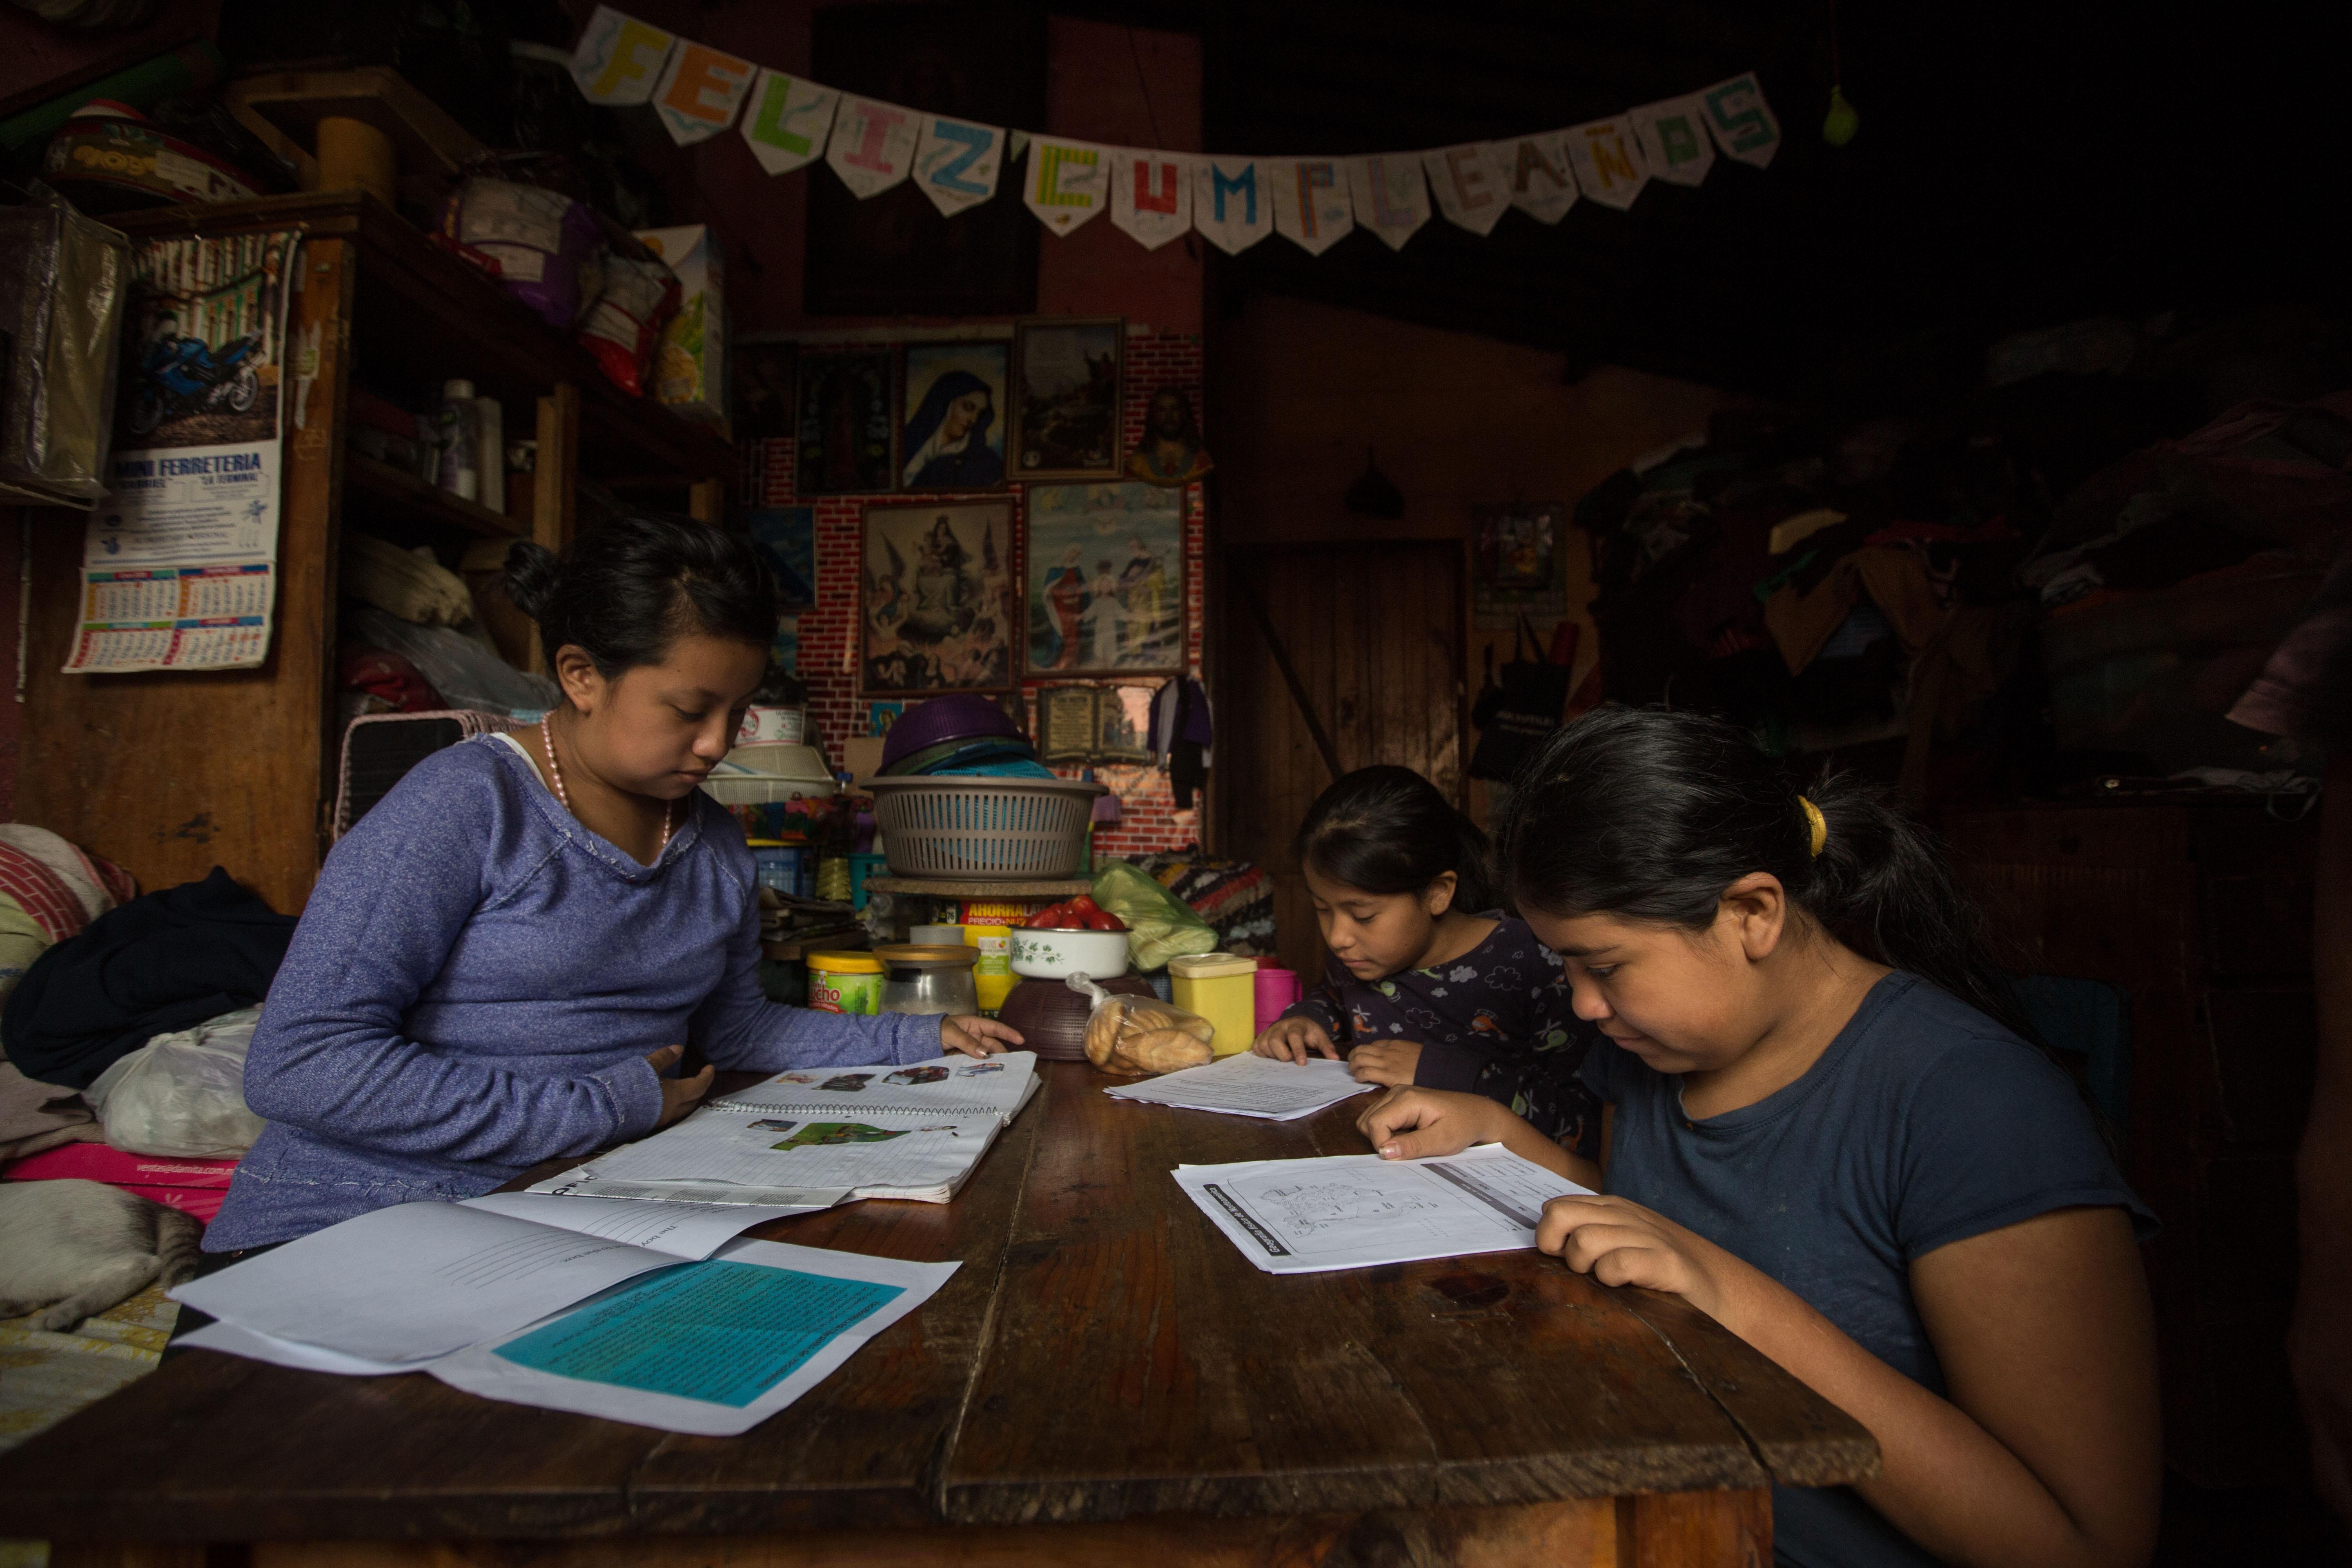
{"x":768,"y":772}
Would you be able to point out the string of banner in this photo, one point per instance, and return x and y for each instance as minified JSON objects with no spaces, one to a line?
{"x":1154,"y":196}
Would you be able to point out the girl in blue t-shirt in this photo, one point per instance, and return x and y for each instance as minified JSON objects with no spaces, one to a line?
{"x":1830,"y":1137}
{"x":1419,"y":987}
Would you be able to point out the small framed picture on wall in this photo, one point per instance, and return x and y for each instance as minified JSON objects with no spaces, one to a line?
{"x":936,"y":598}
{"x":951,"y":427}
{"x":786,"y":537}
{"x":1068,"y":398}
{"x":1105,"y":580}
{"x":847,"y":424}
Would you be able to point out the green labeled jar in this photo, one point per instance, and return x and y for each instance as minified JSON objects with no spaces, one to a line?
{"x":845,"y":983}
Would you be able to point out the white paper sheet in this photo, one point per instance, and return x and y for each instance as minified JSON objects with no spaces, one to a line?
{"x":1247,"y":1084}
{"x":235,"y":1340}
{"x":681,"y":1229}
{"x":1352,"y":1211}
{"x":415,"y":1281}
{"x":960,"y":1085}
{"x":484,"y":1369}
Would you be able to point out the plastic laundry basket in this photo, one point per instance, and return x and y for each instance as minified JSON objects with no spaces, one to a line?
{"x":984,"y":829}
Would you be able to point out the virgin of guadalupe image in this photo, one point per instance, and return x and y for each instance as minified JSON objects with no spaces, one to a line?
{"x":947,"y":440}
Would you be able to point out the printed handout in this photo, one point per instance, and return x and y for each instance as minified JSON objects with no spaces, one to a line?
{"x":1352,"y":1211}
{"x":1248,"y":1085}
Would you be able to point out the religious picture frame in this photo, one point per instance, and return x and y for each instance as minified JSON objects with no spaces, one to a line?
{"x":1108,"y":584}
{"x":785,"y":537}
{"x":954,"y":409}
{"x":1516,"y":567}
{"x":1123,"y":724}
{"x":1066,"y":721}
{"x":1069,"y":398}
{"x":936,"y":602}
{"x":846,"y":441}
{"x":766,"y":373}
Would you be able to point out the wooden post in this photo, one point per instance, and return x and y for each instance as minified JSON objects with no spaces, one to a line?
{"x":555,"y":483}
{"x":706,"y":500}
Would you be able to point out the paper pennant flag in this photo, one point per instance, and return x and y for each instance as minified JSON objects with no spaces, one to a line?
{"x":1231,"y":205}
{"x":1312,"y":206}
{"x":619,"y":58}
{"x":788,"y":120}
{"x":1068,"y":183}
{"x":700,"y":91}
{"x":1608,"y":159}
{"x":956,"y":162}
{"x":1389,"y":197}
{"x":1470,"y":190}
{"x":1538,"y":174}
{"x":1673,"y":134}
{"x":1150,"y":195}
{"x":1018,"y":144}
{"x":873,"y":144}
{"x":1742,"y":122}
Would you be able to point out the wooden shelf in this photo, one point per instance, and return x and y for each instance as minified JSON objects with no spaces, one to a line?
{"x":973,"y":888}
{"x":412,"y":494}
{"x":474,"y":327}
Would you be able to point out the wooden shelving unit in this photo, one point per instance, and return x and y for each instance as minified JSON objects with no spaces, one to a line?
{"x":169,"y":775}
{"x":406,"y":491}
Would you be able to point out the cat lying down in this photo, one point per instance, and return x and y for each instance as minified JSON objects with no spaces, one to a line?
{"x":71,"y":1249}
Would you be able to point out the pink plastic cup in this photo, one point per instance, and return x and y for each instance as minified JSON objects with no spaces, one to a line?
{"x":1276,"y":989}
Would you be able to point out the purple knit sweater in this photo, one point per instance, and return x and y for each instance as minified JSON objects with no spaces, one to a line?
{"x":474,"y":987}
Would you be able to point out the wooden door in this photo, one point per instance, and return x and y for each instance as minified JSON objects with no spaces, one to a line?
{"x":1373,"y":635}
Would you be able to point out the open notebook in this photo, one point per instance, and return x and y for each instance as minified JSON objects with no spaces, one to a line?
{"x":823,"y":1135}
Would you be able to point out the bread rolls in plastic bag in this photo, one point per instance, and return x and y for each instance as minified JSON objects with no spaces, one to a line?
{"x":1139,"y":1035}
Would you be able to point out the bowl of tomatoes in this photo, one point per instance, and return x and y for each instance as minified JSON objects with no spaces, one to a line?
{"x":1077,"y":936}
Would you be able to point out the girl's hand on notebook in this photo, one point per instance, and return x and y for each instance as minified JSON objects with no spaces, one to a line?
{"x":1291,"y":1039}
{"x":977,"y":1036}
{"x":1415,"y":1123}
{"x":1622,"y":1243}
{"x":1386,"y":1062}
{"x":680,"y":1095}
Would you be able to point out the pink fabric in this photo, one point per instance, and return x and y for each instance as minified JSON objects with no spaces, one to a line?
{"x":116,"y":1168}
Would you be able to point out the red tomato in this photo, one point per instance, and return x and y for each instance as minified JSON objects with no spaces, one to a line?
{"x":1048,"y":918}
{"x":1103,"y":920}
{"x":1085,"y":904}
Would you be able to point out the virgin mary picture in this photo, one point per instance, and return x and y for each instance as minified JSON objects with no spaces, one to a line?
{"x":953,"y":438}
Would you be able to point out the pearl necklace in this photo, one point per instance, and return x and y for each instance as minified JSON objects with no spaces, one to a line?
{"x":556,"y":775}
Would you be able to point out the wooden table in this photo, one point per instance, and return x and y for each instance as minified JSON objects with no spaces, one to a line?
{"x":1105,"y":1380}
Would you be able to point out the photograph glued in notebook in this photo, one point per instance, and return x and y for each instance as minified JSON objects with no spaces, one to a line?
{"x":1352,"y":1211}
{"x":823,"y":1135}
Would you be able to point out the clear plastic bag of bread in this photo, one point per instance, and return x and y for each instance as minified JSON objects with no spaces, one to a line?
{"x":1139,"y":1035}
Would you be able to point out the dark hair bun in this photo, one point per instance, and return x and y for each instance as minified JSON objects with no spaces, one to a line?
{"x":637,"y":584}
{"x":531,"y":576}
{"x":1387,"y":830}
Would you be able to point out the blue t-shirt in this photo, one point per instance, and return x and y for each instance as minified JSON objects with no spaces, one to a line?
{"x":1924,"y":1124}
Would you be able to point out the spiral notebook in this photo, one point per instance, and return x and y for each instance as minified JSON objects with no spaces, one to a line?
{"x":822,"y":1136}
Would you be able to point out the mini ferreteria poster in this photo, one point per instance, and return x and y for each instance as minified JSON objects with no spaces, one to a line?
{"x":180,"y":567}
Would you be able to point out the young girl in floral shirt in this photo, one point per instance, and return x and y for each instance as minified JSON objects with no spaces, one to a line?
{"x":1417,"y":989}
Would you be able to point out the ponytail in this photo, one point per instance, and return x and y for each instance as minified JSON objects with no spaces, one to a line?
{"x":1387,"y":830}
{"x":1650,"y":815}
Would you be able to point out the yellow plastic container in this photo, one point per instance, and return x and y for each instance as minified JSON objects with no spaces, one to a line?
{"x":1221,"y":988}
{"x":845,"y":983}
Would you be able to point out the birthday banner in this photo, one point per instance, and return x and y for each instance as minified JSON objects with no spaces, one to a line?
{"x":1153,"y":196}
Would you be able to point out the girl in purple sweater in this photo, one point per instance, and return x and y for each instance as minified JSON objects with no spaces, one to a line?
{"x":503,"y":960}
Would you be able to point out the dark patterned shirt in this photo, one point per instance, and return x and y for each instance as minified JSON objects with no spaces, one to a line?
{"x":1497,"y":1021}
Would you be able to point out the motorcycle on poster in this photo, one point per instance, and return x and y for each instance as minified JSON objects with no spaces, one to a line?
{"x":180,"y":567}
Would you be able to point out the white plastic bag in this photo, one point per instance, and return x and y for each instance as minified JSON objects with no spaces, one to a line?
{"x":182,"y":1094}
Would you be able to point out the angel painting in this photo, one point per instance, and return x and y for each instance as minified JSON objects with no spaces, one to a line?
{"x":937,"y":612}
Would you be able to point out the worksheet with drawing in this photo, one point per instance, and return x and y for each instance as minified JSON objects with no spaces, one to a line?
{"x":1351,"y":1211}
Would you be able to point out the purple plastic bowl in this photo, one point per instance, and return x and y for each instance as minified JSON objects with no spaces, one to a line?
{"x":952,"y":716}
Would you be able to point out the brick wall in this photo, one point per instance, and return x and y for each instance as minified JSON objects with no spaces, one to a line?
{"x":829,"y":634}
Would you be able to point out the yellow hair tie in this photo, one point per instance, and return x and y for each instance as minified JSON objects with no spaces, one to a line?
{"x":1821,"y":825}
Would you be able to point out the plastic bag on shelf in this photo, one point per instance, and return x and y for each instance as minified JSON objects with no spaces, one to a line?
{"x":623,"y":327}
{"x":465,"y":669}
{"x":63,"y":279}
{"x":1160,"y":925}
{"x":1141,"y":1035}
{"x":542,"y":240}
{"x":182,"y":1094}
